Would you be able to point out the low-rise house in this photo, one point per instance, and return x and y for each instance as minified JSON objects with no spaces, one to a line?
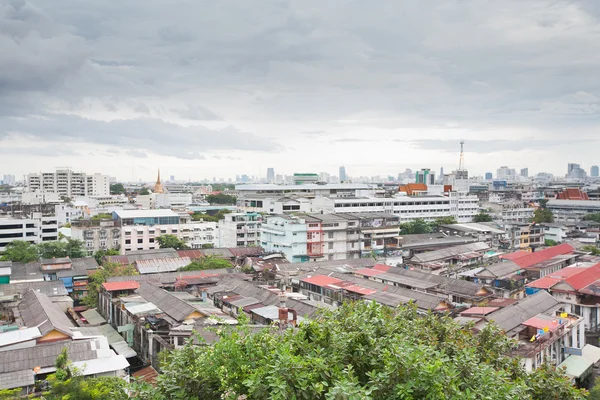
{"x":488,"y":233}
{"x":505,"y":279}
{"x":540,"y":263}
{"x":456,"y":291}
{"x":451,"y":259}
{"x":543,"y":328}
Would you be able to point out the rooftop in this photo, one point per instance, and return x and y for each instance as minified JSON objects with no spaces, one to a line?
{"x":118,"y":286}
{"x":37,"y":310}
{"x":528,"y":259}
{"x":292,"y":188}
{"x":126,"y":214}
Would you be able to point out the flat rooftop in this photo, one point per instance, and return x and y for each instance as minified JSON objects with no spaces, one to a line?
{"x":310,"y":186}
{"x":123,"y":214}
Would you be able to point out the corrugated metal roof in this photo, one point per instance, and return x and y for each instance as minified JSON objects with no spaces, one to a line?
{"x":321,"y":280}
{"x":18,"y":336}
{"x":93,"y":317}
{"x":147,"y":374}
{"x":161,"y":265}
{"x":49,"y":288}
{"x":142,"y":308}
{"x":514,"y":315}
{"x":101,"y":365}
{"x":176,"y":308}
{"x":576,"y":366}
{"x":17,"y":379}
{"x":449,"y":252}
{"x":38,"y":310}
{"x":529,"y":259}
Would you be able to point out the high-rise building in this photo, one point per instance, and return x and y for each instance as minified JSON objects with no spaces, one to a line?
{"x":343,"y":177}
{"x":70,"y":184}
{"x":525,"y":172}
{"x":574,"y":171}
{"x":270,"y":175}
{"x":425,"y":176}
{"x":9,"y":180}
{"x":505,"y":173}
{"x":489,"y":176}
{"x":303,"y":178}
{"x":324,"y":177}
{"x":172,"y":178}
{"x":594,"y":171}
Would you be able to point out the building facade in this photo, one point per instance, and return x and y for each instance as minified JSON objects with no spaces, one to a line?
{"x":35,"y":230}
{"x":240,"y":230}
{"x":68,"y":183}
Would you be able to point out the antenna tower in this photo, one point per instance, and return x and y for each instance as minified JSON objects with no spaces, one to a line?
{"x":461,"y":163}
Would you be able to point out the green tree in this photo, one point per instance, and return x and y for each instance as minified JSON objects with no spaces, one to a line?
{"x":591,"y":249}
{"x":221,"y":199}
{"x":435,"y":225}
{"x":70,"y":248}
{"x":542,"y":215}
{"x":595,"y":391}
{"x":208,"y":246}
{"x":20,"y":251}
{"x":197,"y":216}
{"x":117,"y":188}
{"x":358,"y":351}
{"x":171,"y":242}
{"x":67,"y":384}
{"x":415,"y":227}
{"x":592,"y":217}
{"x":144,"y":191}
{"x":207,"y":263}
{"x":101,"y":216}
{"x":482,"y":217}
{"x":100,"y":254}
{"x":9,"y":394}
{"x":100,"y":275}
{"x":550,"y":242}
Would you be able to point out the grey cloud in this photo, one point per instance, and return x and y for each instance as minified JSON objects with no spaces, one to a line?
{"x":141,"y":134}
{"x":492,"y":146}
{"x":197,"y":113}
{"x":137,"y":154}
{"x":141,"y":108}
{"x":45,"y":151}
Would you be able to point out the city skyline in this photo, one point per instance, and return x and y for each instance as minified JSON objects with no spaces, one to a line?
{"x":209,"y":90}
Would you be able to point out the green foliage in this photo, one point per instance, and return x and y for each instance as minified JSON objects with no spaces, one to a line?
{"x":550,"y":242}
{"x":8,"y":394}
{"x":207,"y":263}
{"x":144,"y":191}
{"x":359,"y":351}
{"x":592,"y":217}
{"x":100,"y":254}
{"x":101,"y":216}
{"x":171,"y":242}
{"x":70,"y":248}
{"x":117,"y":188}
{"x":221,"y":199}
{"x":208,"y":246}
{"x":415,"y":227}
{"x":435,"y":225}
{"x":80,"y":388}
{"x":210,"y":218}
{"x":99,"y":276}
{"x":595,"y":391}
{"x":482,"y":217}
{"x":20,"y":251}
{"x":542,"y":215}
{"x":591,"y":249}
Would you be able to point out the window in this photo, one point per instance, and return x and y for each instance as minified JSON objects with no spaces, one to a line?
{"x":330,"y":246}
{"x":140,"y":240}
{"x":127,"y":233}
{"x":103,"y":243}
{"x":330,"y":235}
{"x":127,"y":241}
{"x":89,"y":243}
{"x":151,"y":240}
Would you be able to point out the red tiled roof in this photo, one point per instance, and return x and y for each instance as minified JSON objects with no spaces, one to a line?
{"x":529,"y":259}
{"x":479,"y":310}
{"x":147,"y":374}
{"x":125,"y":285}
{"x":558,"y":276}
{"x":541,"y":323}
{"x":572,"y":194}
{"x":321,"y":280}
{"x":369,"y":272}
{"x":359,"y":290}
{"x":382,"y":267}
{"x":584,"y":278}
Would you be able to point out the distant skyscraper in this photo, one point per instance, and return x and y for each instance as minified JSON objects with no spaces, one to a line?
{"x":574,"y":171}
{"x":489,"y":176}
{"x":425,"y":176}
{"x":343,"y":177}
{"x":525,"y":172}
{"x":572,"y":166}
{"x":172,"y":178}
{"x":594,"y":171}
{"x":270,"y":175}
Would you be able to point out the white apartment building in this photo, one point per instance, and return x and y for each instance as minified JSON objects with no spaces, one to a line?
{"x":35,"y":230}
{"x":40,"y":197}
{"x":131,"y":230}
{"x":287,"y":235}
{"x":517,"y":214}
{"x":240,"y":230}
{"x":66,"y":213}
{"x":164,"y":200}
{"x":68,"y":183}
{"x":461,"y":207}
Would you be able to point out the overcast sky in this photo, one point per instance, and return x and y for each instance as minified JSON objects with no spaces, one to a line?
{"x":219,"y":88}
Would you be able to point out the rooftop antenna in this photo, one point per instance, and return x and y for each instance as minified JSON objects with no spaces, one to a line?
{"x":461,"y":163}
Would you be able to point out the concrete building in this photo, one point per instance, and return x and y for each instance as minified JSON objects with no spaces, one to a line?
{"x":525,"y":172}
{"x":40,"y":197}
{"x":305,"y":178}
{"x":270,"y":175}
{"x":240,"y":229}
{"x":35,"y":230}
{"x":97,"y":234}
{"x":517,"y":214}
{"x":68,"y":183}
{"x":9,"y":180}
{"x":505,"y":173}
{"x":343,"y":177}
{"x":572,"y":210}
{"x":425,"y":176}
{"x":285,"y":234}
{"x":594,"y":171}
{"x":66,"y":213}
